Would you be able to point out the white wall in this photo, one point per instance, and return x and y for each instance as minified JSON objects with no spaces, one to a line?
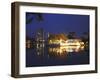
{"x":5,"y":40}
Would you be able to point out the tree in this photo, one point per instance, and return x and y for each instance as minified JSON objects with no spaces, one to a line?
{"x":31,"y":16}
{"x":85,"y":37}
{"x":72,"y":35}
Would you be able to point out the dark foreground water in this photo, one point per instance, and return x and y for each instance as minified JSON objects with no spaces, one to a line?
{"x":52,"y":56}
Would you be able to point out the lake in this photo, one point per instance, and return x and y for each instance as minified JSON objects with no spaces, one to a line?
{"x":56,"y":55}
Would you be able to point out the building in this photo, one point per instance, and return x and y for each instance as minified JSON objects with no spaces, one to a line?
{"x":56,"y":38}
{"x":40,"y":41}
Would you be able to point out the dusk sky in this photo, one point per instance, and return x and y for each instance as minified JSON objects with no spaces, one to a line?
{"x":57,"y":23}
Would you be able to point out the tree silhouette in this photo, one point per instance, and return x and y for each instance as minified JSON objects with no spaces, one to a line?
{"x":85,"y":37}
{"x":37,"y":16}
{"x":72,"y":35}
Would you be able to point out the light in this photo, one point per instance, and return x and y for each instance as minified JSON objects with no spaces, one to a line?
{"x":65,"y":46}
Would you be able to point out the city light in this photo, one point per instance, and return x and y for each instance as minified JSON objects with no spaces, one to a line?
{"x":58,"y":44}
{"x":70,"y":45}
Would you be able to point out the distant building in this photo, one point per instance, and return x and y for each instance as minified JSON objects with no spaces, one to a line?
{"x":40,"y":35}
{"x":29,"y":42}
{"x":40,"y":41}
{"x":56,"y":38}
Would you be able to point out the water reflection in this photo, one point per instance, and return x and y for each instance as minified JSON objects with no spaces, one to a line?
{"x":64,"y":50}
{"x":40,"y":49}
{"x":43,"y":50}
{"x":44,"y":55}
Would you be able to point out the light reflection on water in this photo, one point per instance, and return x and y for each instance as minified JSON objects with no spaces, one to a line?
{"x":55,"y":51}
{"x":65,"y":49}
{"x":56,"y":55}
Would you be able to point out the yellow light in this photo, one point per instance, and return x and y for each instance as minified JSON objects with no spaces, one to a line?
{"x":67,"y":46}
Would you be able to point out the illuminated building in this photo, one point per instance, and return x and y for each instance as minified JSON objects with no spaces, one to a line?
{"x":28,"y":43}
{"x":65,"y":45}
{"x":56,"y":38}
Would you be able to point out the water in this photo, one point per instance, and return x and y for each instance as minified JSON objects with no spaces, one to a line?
{"x":55,"y":56}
